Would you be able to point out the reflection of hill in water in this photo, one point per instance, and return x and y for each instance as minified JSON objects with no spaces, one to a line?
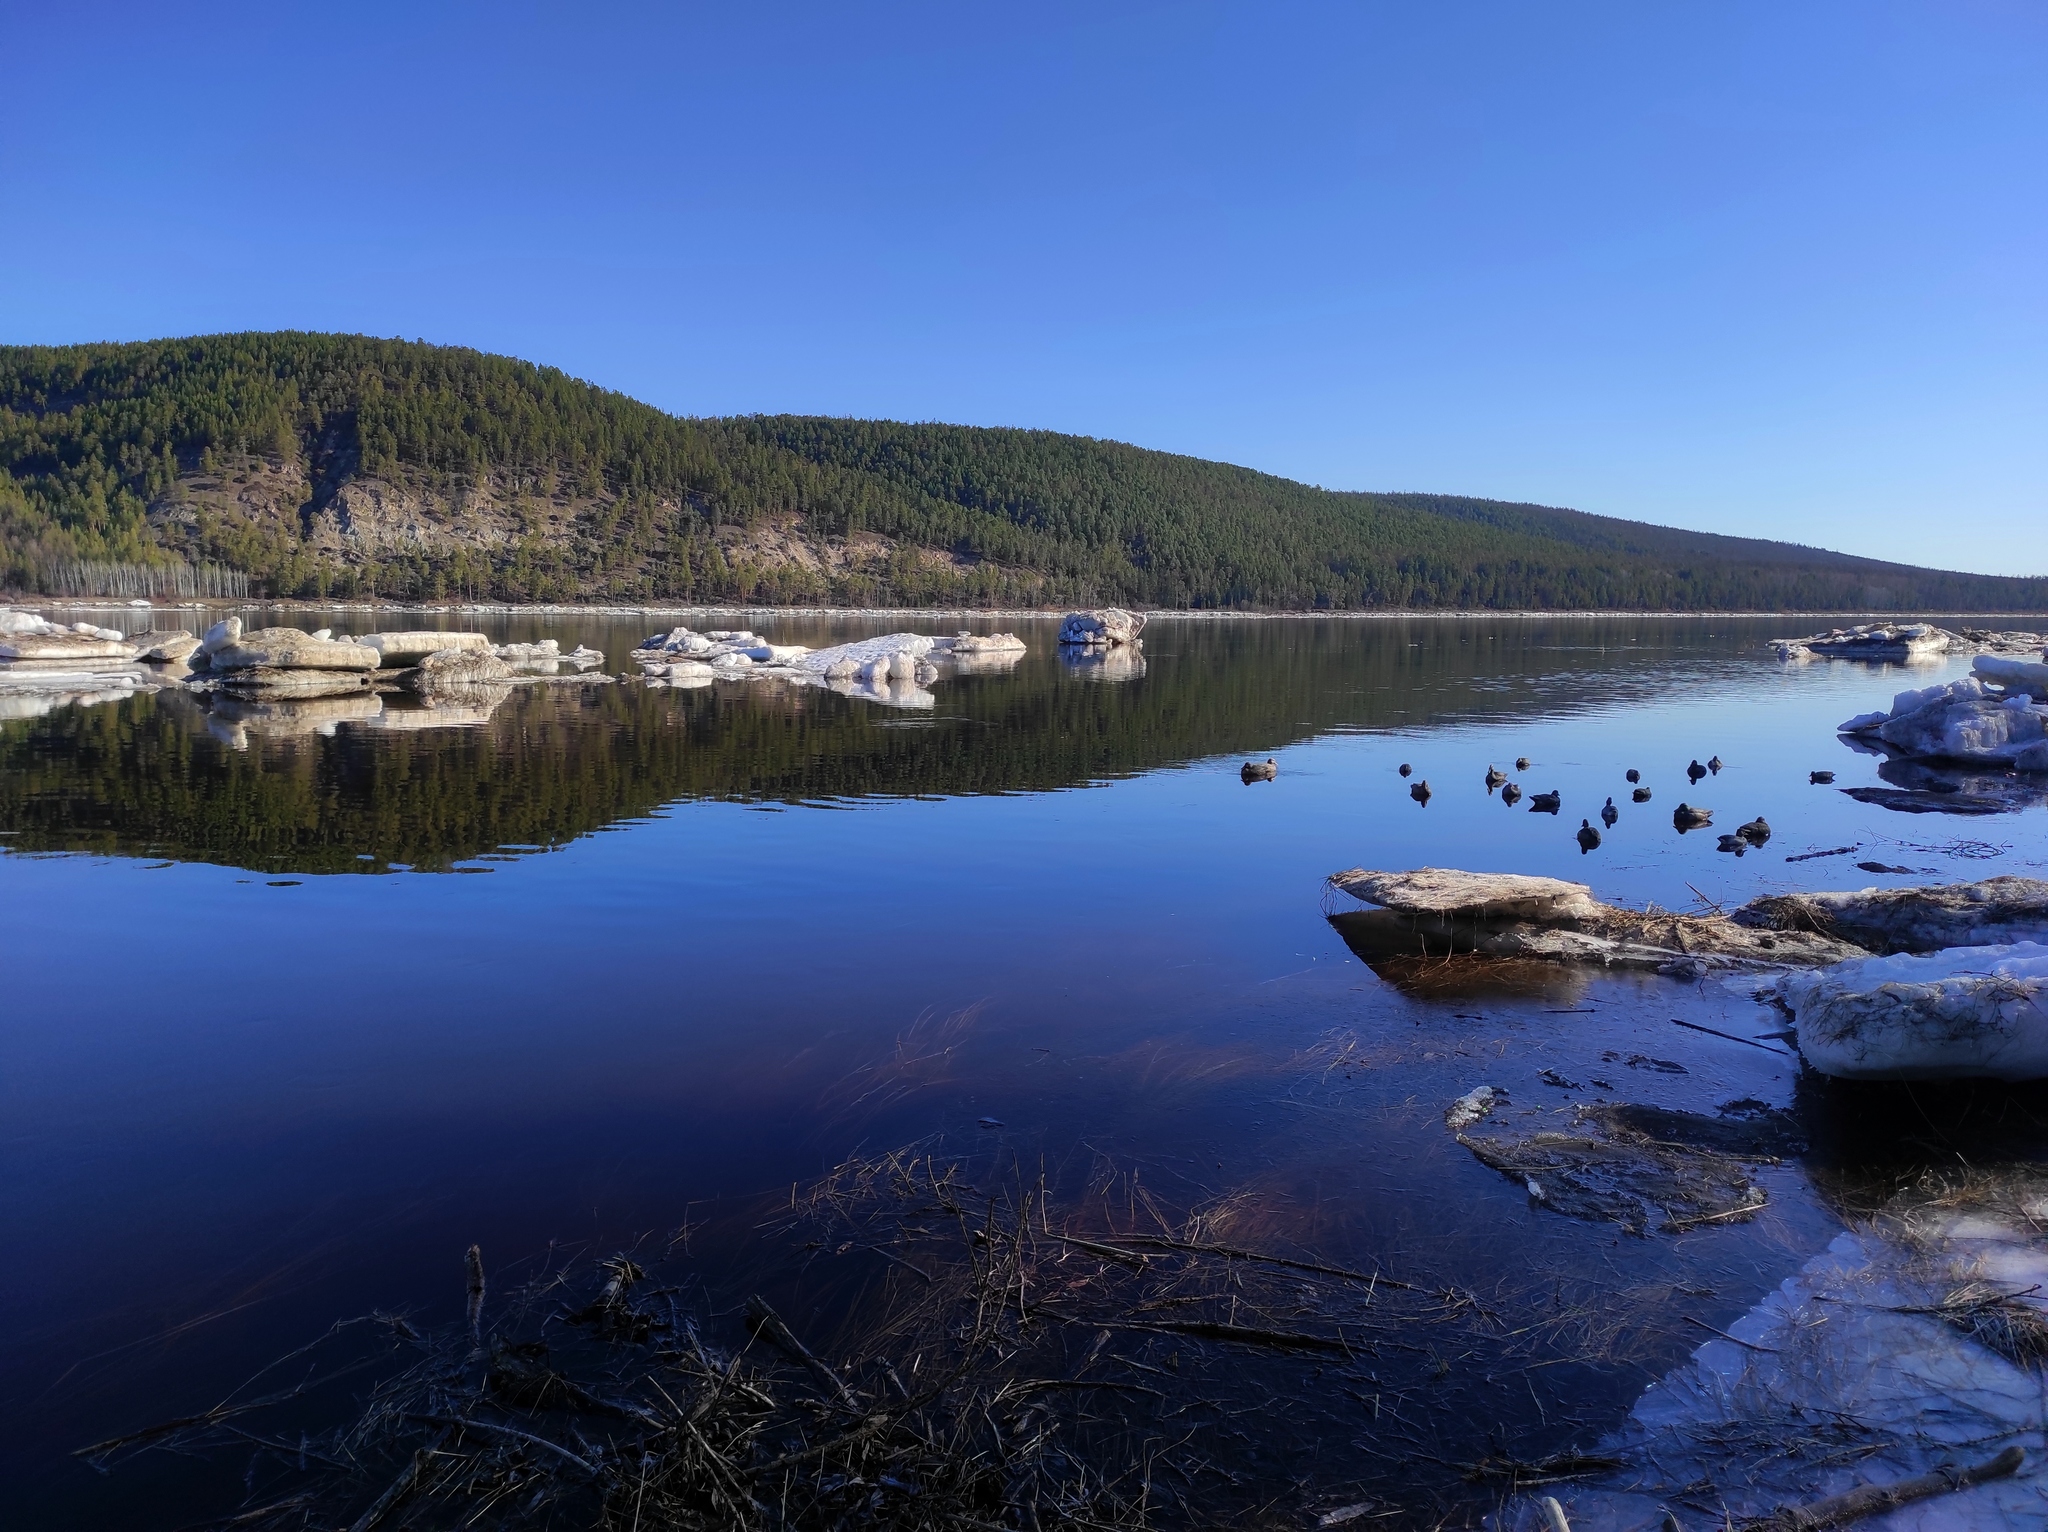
{"x":147,"y":777}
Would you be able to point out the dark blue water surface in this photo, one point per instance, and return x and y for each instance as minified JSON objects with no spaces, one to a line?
{"x":291,"y":1017}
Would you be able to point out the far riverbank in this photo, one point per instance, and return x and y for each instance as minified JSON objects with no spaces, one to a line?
{"x":979,"y":614}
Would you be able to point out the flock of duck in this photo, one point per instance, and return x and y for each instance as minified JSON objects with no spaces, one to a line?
{"x":1685,"y":817}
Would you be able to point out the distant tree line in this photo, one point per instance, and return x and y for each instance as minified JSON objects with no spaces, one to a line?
{"x":98,"y":441}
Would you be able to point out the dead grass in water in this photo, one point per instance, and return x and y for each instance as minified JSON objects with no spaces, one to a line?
{"x":954,"y":1352}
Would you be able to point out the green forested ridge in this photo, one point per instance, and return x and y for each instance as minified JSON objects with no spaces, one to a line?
{"x":277,"y":453}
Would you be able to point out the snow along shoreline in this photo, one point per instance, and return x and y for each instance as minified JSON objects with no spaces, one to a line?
{"x":1002,"y":614}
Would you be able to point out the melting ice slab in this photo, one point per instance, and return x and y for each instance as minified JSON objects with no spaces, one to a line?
{"x":1909,"y":1346}
{"x":1966,"y":1013}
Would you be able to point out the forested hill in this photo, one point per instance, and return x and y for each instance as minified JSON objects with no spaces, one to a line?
{"x":344,"y":465}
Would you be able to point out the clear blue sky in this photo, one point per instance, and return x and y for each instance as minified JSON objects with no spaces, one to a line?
{"x":1769,"y":268}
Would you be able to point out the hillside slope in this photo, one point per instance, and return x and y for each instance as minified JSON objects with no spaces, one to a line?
{"x":344,"y":465}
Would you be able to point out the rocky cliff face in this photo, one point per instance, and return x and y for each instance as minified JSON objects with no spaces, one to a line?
{"x":325,"y":512}
{"x":355,"y":518}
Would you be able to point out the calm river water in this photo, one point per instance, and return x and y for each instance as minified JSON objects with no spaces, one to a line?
{"x":291,"y":1019}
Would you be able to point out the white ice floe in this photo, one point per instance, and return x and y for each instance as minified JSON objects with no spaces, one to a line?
{"x":2014,"y":675}
{"x":25,"y":636}
{"x":291,"y":649}
{"x":410,"y":647}
{"x":546,"y":658}
{"x":1964,"y":1013}
{"x":893,"y":669}
{"x":1961,"y":721}
{"x":167,"y":646}
{"x":455,"y":669}
{"x":35,"y":685}
{"x":64,"y":646}
{"x":965,"y":645}
{"x":1104,"y":628}
{"x":28,"y":624}
{"x":845,"y":659}
{"x":1904,"y":641}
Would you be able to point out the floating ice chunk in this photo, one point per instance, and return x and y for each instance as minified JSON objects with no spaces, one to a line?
{"x":1851,"y":1349}
{"x":1469,"y":1108}
{"x":1966,"y":1013}
{"x":863,"y":651}
{"x":2014,"y":675}
{"x":26,"y":622}
{"x":1973,"y":730}
{"x":1102,"y":628}
{"x":408,"y":648}
{"x":63,"y":645}
{"x":1967,"y":689}
{"x":1870,"y":641}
